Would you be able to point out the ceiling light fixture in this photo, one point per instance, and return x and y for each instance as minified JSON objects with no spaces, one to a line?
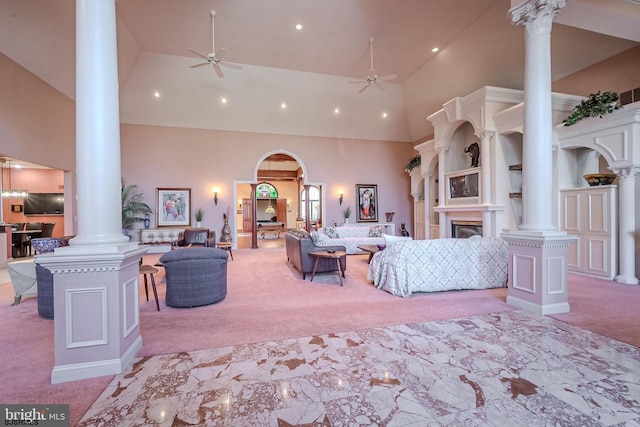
{"x":298,"y":27}
{"x":283,"y":105}
{"x":10,"y":193}
{"x":223,"y":100}
{"x":156,"y":94}
{"x":435,"y":49}
{"x":384,"y":115}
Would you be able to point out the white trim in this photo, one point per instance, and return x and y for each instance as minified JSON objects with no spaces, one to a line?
{"x":542,"y":310}
{"x":69,"y":318}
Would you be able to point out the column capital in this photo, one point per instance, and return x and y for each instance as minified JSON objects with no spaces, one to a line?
{"x":629,"y":173}
{"x":535,"y":14}
{"x":484,"y":134}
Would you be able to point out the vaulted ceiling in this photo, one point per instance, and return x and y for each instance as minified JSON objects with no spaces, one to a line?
{"x":331,"y":49}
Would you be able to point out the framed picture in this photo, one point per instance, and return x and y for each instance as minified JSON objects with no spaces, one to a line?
{"x":173,"y":207}
{"x":367,"y":202}
{"x":16,"y":208}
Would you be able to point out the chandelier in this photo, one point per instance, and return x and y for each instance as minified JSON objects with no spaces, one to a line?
{"x":11,"y":193}
{"x":270,"y":209}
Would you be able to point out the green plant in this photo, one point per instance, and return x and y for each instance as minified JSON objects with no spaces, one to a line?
{"x":597,"y":105}
{"x":413,"y":163}
{"x":347,"y":212}
{"x":199,"y":214}
{"x":132,"y":206}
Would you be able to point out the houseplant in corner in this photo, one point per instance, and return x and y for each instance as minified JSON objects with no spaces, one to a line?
{"x":413,"y":163}
{"x":597,"y":105}
{"x":132,"y":207}
{"x":347,"y":214}
{"x":199,"y":216}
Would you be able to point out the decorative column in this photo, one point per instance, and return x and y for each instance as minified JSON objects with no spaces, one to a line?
{"x":426,"y":177}
{"x":626,"y":225}
{"x":538,"y":271}
{"x":254,"y":215}
{"x":307,"y":209}
{"x":485,"y":173}
{"x":442,"y":216}
{"x":96,"y":317}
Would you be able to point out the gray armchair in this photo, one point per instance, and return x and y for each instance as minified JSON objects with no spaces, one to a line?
{"x":196,"y":236}
{"x":195,"y":276}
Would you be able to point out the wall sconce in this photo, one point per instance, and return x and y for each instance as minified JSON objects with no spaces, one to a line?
{"x":216,"y":190}
{"x":341,"y":197}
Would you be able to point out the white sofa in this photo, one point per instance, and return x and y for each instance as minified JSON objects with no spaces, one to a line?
{"x":349,"y":237}
{"x":439,"y":265}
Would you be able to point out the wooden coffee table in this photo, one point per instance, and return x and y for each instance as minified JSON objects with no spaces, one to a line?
{"x":325,"y":254}
{"x":370,"y":249}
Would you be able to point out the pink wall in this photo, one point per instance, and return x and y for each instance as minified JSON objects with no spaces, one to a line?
{"x":618,"y":73}
{"x":200,"y":159}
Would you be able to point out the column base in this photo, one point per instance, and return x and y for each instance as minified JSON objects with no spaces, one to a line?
{"x":98,"y":368}
{"x":627,"y":280}
{"x":538,"y":273}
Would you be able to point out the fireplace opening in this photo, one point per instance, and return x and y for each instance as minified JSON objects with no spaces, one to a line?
{"x":466,"y":229}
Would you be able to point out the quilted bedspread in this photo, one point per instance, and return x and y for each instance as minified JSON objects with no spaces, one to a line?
{"x":439,"y":265}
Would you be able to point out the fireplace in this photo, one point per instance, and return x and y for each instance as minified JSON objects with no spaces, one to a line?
{"x":466,"y":229}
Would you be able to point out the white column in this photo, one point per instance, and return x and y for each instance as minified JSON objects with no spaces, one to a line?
{"x":538,"y":273}
{"x":97,"y":125}
{"x":441,"y":190}
{"x":96,"y":281}
{"x":536,"y":17}
{"x":485,"y":163}
{"x":626,"y":225}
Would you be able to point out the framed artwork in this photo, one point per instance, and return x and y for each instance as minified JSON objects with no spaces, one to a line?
{"x":367,"y":202}
{"x":173,"y":207}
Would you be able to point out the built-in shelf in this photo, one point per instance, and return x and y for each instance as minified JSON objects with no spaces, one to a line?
{"x":515,"y":167}
{"x":515,"y":195}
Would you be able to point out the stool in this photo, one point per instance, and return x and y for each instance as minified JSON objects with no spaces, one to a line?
{"x":225,"y":246}
{"x":147,"y":269}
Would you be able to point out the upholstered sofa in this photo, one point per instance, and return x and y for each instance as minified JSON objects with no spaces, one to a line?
{"x":299,"y":244}
{"x":196,"y":237}
{"x":195,"y":276}
{"x":349,"y":237}
{"x":44,"y":277}
{"x":409,"y":266}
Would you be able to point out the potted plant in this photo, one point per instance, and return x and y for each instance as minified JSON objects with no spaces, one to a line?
{"x":413,"y":163}
{"x":347,"y":214}
{"x":132,"y":207}
{"x":597,"y":105}
{"x":199,"y":216}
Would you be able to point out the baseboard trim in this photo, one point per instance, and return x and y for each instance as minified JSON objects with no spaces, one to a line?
{"x":541,"y":309}
{"x":82,"y":371}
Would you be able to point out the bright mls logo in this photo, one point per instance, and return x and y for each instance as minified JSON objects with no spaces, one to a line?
{"x":35,"y":415}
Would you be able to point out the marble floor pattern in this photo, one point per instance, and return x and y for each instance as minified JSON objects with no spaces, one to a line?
{"x":506,"y":369}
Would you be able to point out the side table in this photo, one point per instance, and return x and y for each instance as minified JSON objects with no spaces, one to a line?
{"x":326,"y":254}
{"x":225,"y":246}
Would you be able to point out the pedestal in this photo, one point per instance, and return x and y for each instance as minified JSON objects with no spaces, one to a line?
{"x":97,"y":320}
{"x":538,"y":271}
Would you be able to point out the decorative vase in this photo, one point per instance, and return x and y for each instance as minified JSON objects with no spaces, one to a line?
{"x":226,"y":231}
{"x":146,"y":221}
{"x":346,"y":220}
{"x":198,"y":224}
{"x":389,"y":216}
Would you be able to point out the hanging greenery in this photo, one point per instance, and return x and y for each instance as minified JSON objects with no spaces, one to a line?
{"x":413,"y":163}
{"x":597,"y":105}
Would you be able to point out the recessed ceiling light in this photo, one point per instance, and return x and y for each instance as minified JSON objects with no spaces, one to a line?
{"x":384,"y":115}
{"x":298,"y":27}
{"x":223,"y":100}
{"x":336,"y":111}
{"x":435,"y":49}
{"x":283,"y":105}
{"x":156,"y":94}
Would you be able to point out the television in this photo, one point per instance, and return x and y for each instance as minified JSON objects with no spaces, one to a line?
{"x":44,"y":204}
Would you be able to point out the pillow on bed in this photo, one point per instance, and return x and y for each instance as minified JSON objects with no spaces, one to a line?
{"x":389,"y":239}
{"x":331,"y":232}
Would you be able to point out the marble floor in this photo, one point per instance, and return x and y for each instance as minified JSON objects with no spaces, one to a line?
{"x":505,"y":369}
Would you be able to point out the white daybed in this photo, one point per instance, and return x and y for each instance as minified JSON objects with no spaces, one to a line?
{"x":435,"y":265}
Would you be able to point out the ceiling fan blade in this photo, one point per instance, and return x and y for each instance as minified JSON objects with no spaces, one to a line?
{"x":364,"y":88}
{"x":220,"y":53}
{"x":231,"y":65}
{"x":198,"y":53}
{"x":199,"y":65}
{"x":387,"y":78}
{"x":218,"y":70}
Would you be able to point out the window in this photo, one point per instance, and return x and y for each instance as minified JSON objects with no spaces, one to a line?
{"x":314,"y":200}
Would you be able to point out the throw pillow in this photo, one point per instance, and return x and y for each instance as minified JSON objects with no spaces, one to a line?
{"x":375,"y":231}
{"x":315,"y":238}
{"x":331,"y":232}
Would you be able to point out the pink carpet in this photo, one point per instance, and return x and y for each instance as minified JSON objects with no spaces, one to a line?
{"x":267,"y":300}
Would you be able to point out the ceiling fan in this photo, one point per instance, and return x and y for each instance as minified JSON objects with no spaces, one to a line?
{"x":215,"y":57}
{"x":372,"y":77}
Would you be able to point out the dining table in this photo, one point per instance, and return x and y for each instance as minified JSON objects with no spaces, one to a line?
{"x":22,"y":236}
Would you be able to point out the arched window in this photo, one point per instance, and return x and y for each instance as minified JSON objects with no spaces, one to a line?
{"x":314,"y":200}
{"x":264,"y":190}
